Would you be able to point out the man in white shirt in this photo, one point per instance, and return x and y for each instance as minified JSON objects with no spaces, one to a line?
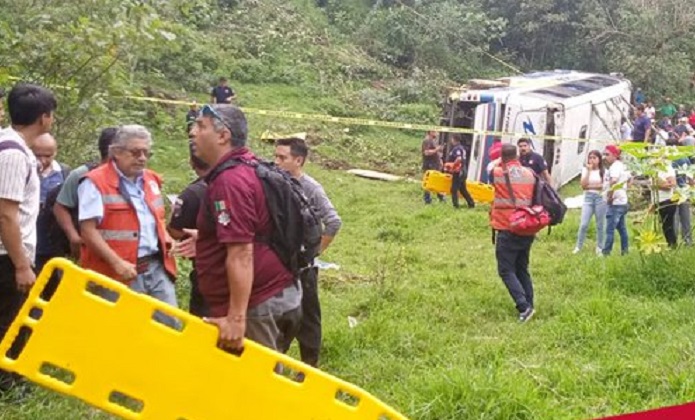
{"x":615,"y":192}
{"x":30,"y":108}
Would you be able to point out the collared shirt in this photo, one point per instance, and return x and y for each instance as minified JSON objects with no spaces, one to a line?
{"x":534,"y":161}
{"x":19,"y":182}
{"x":91,"y":206}
{"x":322,"y":204}
{"x":50,"y":179}
{"x":68,"y":192}
{"x":235,"y":212}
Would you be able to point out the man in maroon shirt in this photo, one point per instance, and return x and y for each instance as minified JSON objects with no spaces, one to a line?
{"x":248,"y":291}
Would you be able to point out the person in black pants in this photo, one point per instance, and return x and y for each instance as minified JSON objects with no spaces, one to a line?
{"x":183,"y":217}
{"x":667,"y":208}
{"x":31,"y":111}
{"x":291,"y":155}
{"x":514,"y":186}
{"x":456,"y":166}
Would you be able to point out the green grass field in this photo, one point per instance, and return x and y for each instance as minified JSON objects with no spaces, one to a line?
{"x":437,"y":335}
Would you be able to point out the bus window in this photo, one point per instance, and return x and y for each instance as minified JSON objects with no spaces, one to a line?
{"x":581,"y":145}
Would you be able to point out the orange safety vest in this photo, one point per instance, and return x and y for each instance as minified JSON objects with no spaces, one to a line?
{"x":120,"y":226}
{"x":522,"y":181}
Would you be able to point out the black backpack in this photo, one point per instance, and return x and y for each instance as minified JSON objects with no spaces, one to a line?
{"x":297,"y":230}
{"x":546,"y":196}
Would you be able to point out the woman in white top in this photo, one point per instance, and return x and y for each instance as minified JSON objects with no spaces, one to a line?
{"x":594,"y":204}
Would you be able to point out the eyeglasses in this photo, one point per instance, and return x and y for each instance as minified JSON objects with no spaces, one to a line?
{"x":209,"y":111}
{"x":136,"y":153}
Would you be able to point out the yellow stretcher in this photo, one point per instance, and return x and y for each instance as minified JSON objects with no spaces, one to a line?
{"x":113,"y":355}
{"x":440,"y":183}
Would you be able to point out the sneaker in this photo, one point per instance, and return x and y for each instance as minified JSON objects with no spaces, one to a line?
{"x":599,"y":251}
{"x":576,"y":251}
{"x":526,"y":315}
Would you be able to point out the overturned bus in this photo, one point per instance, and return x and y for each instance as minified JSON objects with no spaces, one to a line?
{"x":569,"y":104}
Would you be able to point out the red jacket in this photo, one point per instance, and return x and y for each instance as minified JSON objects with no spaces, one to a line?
{"x":522,"y":181}
{"x":120,"y":227}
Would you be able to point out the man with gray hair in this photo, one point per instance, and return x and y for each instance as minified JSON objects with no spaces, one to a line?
{"x":121,"y":214}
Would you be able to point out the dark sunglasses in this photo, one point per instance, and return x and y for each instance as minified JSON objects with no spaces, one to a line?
{"x":209,"y":111}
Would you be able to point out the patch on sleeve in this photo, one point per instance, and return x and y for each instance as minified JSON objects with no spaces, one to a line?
{"x":178,"y":204}
{"x":223,"y":216}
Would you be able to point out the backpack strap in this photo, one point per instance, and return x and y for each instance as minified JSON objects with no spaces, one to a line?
{"x":13,"y":145}
{"x":231,"y":163}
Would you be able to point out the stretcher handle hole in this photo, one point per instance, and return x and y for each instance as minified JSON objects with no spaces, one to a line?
{"x":126,"y":401}
{"x":385,"y":417}
{"x":52,"y":285}
{"x":102,"y":292}
{"x":35,"y":313}
{"x":169,"y":321}
{"x":288,"y":372}
{"x":347,"y":398}
{"x":20,"y":341}
{"x":56,"y":372}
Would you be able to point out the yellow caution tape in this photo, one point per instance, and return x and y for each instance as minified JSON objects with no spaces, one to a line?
{"x":366,"y":122}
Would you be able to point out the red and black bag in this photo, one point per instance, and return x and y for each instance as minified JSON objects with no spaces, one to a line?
{"x":526,"y":220}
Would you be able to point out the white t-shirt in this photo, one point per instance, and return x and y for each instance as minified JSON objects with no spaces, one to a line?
{"x":616,"y":172}
{"x":626,"y":131}
{"x":595,"y":180}
{"x":663,"y":175}
{"x":650,"y":112}
{"x":19,"y":182}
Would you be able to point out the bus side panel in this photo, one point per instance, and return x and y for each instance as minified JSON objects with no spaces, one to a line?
{"x":485,"y":120}
{"x":576,"y":125}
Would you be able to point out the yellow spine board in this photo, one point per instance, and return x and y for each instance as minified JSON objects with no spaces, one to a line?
{"x":440,"y":183}
{"x":116,"y":357}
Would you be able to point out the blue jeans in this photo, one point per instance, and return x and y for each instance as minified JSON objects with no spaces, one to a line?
{"x":155,"y":282}
{"x":594,"y":204}
{"x":615,"y":219}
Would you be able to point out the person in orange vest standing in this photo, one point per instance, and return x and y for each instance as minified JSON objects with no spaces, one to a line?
{"x":122,"y":221}
{"x":513,"y":251}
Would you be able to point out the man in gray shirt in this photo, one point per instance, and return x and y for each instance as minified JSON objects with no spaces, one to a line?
{"x":65,"y":208}
{"x":290,"y":155}
{"x":31,"y":110}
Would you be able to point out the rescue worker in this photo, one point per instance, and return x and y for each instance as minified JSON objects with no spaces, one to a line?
{"x":121,"y":213}
{"x":456,"y":166}
{"x":513,"y":251}
{"x":431,"y":161}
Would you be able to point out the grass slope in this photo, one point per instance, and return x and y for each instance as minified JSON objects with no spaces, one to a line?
{"x":437,"y":335}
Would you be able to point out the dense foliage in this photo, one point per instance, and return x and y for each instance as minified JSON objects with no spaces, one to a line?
{"x":386,"y":58}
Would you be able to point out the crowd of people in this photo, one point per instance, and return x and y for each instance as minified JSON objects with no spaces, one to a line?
{"x":112,"y":215}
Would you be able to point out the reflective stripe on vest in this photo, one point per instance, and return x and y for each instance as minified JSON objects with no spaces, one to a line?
{"x":157,"y":203}
{"x":113,"y":199}
{"x":523,"y":184}
{"x":507,"y":202}
{"x":119,"y":235}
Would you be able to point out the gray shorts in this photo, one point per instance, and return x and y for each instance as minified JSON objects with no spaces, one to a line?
{"x":276,"y":321}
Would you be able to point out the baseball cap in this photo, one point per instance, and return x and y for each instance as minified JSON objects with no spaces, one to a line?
{"x":613,"y":150}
